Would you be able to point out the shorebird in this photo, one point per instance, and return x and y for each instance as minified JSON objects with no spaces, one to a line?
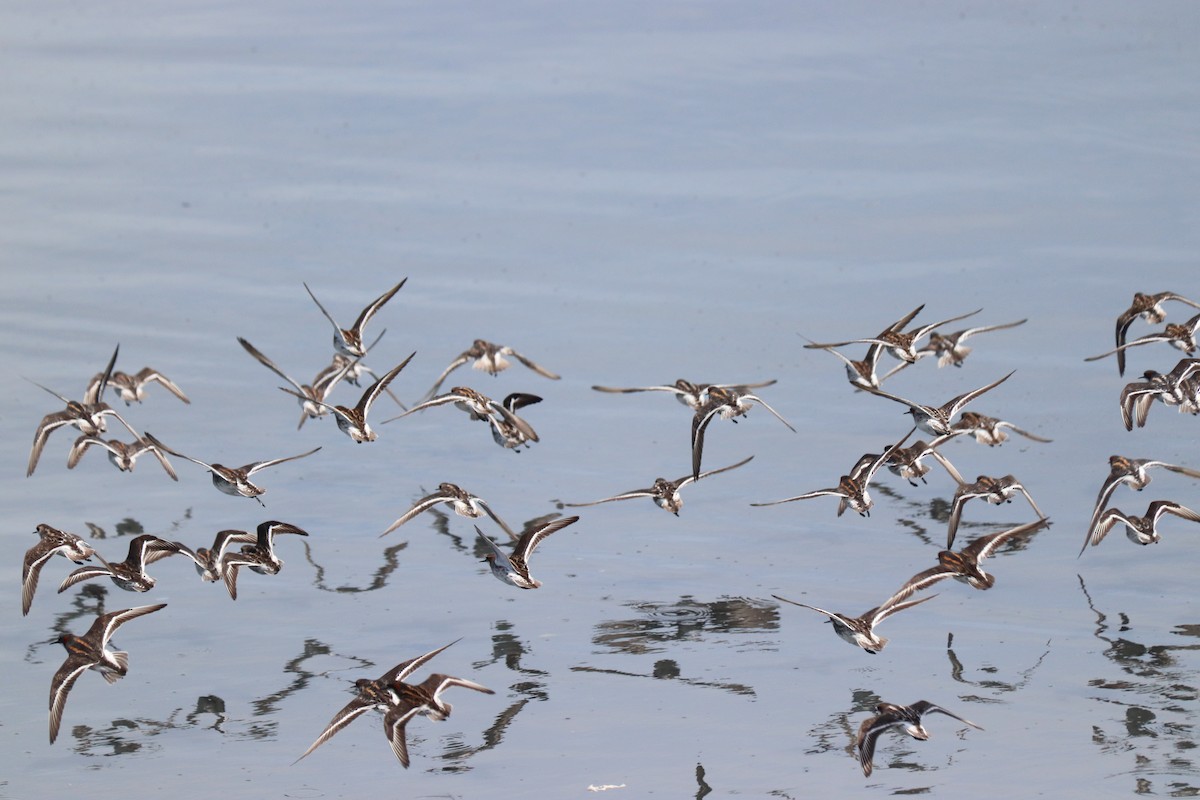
{"x":509,"y":431}
{"x":937,"y":419}
{"x":399,"y":701}
{"x":308,"y":394}
{"x":949,"y":348}
{"x":890,"y":715}
{"x":692,"y":395}
{"x":479,"y":406}
{"x":123,"y":455}
{"x":727,"y":404}
{"x":87,"y":417}
{"x":861,"y":374}
{"x":664,"y":493}
{"x":232,"y":480}
{"x":1140,"y":530}
{"x":131,"y":388}
{"x":901,"y":345}
{"x":210,"y":563}
{"x":90,"y":651}
{"x":490,"y":358}
{"x":989,"y":430}
{"x":1132,"y":472}
{"x":860,"y":631}
{"x":965,"y":565}
{"x":514,"y":569}
{"x":907,"y":463}
{"x":993,"y":490}
{"x":854,"y":373}
{"x":349,"y":341}
{"x":353,"y":421}
{"x":52,"y":542}
{"x":1148,"y":307}
{"x":129,"y":574}
{"x":852,"y":489}
{"x":463,"y":502}
{"x":1181,"y":336}
{"x":259,"y":556}
{"x":1174,"y":388}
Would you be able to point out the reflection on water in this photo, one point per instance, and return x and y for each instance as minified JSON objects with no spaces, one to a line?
{"x":702,"y":787}
{"x":685,"y":620}
{"x":958,"y":672}
{"x":124,"y":736}
{"x":1158,"y":694}
{"x":390,"y":562}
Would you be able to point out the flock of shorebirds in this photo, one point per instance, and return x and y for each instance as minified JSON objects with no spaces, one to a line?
{"x":399,"y":700}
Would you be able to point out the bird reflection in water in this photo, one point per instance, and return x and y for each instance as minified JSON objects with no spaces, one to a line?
{"x":685,"y":620}
{"x":958,"y":673}
{"x":391,"y":561}
{"x":688,"y":620}
{"x":1159,"y":695}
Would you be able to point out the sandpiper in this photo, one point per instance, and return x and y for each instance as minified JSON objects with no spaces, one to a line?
{"x":1140,"y":530}
{"x":509,"y":430}
{"x":514,"y":569}
{"x":890,"y":715}
{"x":664,"y":493}
{"x":349,"y":341}
{"x":936,"y":420}
{"x":210,"y":562}
{"x":353,"y":421}
{"x":52,"y":542}
{"x":90,"y":651}
{"x":964,"y":565}
{"x":907,"y":463}
{"x":490,"y":358}
{"x":1132,"y":472}
{"x":463,"y":502}
{"x":131,"y":388}
{"x":692,"y":395}
{"x":233,"y":481}
{"x":993,"y":490}
{"x":860,"y":631}
{"x":308,"y":394}
{"x":123,"y":455}
{"x":259,"y":556}
{"x":88,"y":417}
{"x":727,"y":404}
{"x":129,"y":574}
{"x":852,"y":489}
{"x":949,"y":348}
{"x":398,"y":700}
{"x":479,"y":406}
{"x":990,"y":430}
{"x":1148,"y":307}
{"x":1181,"y":336}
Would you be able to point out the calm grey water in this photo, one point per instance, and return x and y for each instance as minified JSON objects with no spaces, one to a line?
{"x":627,"y":194}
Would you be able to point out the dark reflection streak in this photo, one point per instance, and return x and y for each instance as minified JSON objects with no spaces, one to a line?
{"x":837,"y":733}
{"x":124,"y":736}
{"x":703,"y":787}
{"x":492,"y":736}
{"x":668,"y":669}
{"x":1153,"y":673}
{"x":391,"y":562}
{"x":685,"y":620}
{"x":268,"y":705}
{"x":938,"y":510}
{"x":957,"y":669}
{"x":507,"y":647}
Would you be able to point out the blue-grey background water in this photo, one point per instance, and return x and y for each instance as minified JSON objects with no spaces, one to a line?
{"x":626,"y":193}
